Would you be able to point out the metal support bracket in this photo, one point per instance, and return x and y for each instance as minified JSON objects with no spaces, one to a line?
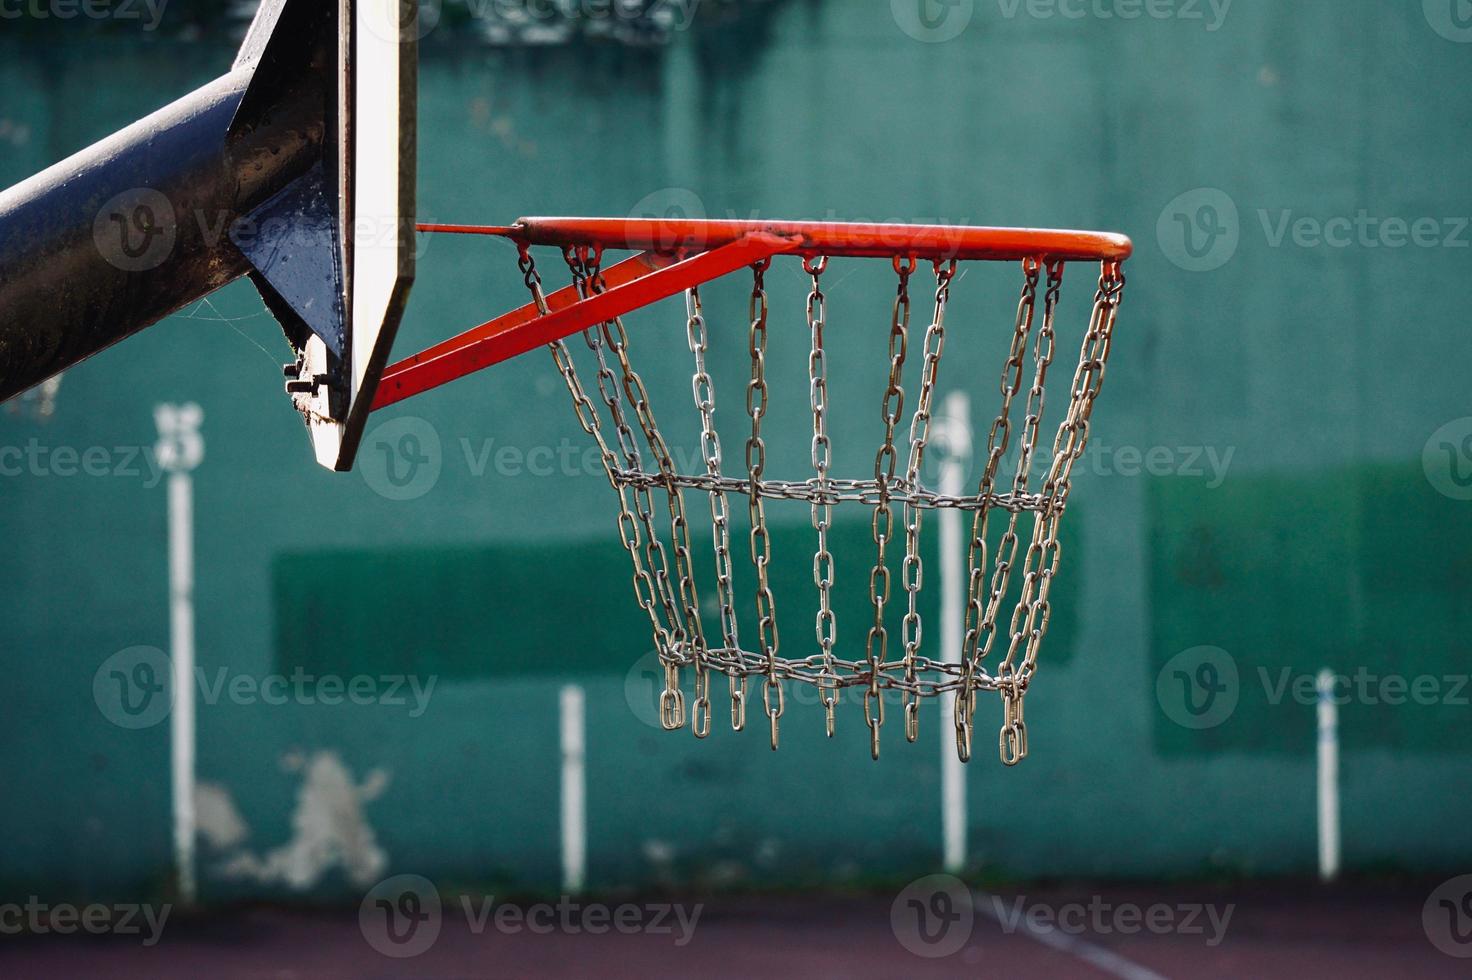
{"x":647,"y":278}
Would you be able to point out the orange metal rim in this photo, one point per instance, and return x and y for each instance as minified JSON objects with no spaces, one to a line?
{"x":815,"y":238}
{"x":676,"y":255}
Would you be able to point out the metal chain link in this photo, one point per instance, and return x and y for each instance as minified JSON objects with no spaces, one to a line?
{"x":710,"y":450}
{"x":773,"y":698}
{"x":876,"y":647}
{"x":912,"y":572}
{"x":822,"y":509}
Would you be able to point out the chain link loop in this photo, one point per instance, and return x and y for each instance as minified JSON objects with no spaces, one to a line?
{"x":710,"y":450}
{"x":756,"y":465}
{"x":912,"y":573}
{"x":822,"y":508}
{"x":877,"y":645}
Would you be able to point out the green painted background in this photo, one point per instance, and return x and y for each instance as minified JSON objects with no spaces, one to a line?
{"x":1319,"y":372}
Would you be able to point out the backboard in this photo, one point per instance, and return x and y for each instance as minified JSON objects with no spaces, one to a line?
{"x":379,"y":122}
{"x":340,"y":289}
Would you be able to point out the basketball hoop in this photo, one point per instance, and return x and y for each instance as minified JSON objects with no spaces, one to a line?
{"x":654,"y":519}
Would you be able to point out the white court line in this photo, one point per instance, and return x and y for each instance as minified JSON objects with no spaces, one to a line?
{"x":1080,"y":949}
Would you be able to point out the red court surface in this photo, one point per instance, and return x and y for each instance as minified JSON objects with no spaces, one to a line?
{"x":1274,"y":930}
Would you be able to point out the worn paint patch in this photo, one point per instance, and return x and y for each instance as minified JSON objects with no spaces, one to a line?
{"x":329,"y":828}
{"x":216,"y":817}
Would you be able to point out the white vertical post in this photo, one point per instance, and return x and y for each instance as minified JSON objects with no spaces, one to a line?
{"x":181,"y":652}
{"x":955,"y":435}
{"x":1328,"y":778}
{"x":180,"y":449}
{"x":574,"y":792}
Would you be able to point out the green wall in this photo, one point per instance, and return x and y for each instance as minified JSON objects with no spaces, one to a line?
{"x":1319,"y":373}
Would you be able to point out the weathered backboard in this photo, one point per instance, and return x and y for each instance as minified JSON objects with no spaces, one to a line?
{"x":337,"y":275}
{"x":378,"y":123}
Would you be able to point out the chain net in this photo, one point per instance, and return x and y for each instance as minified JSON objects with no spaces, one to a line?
{"x":1002,"y":636}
